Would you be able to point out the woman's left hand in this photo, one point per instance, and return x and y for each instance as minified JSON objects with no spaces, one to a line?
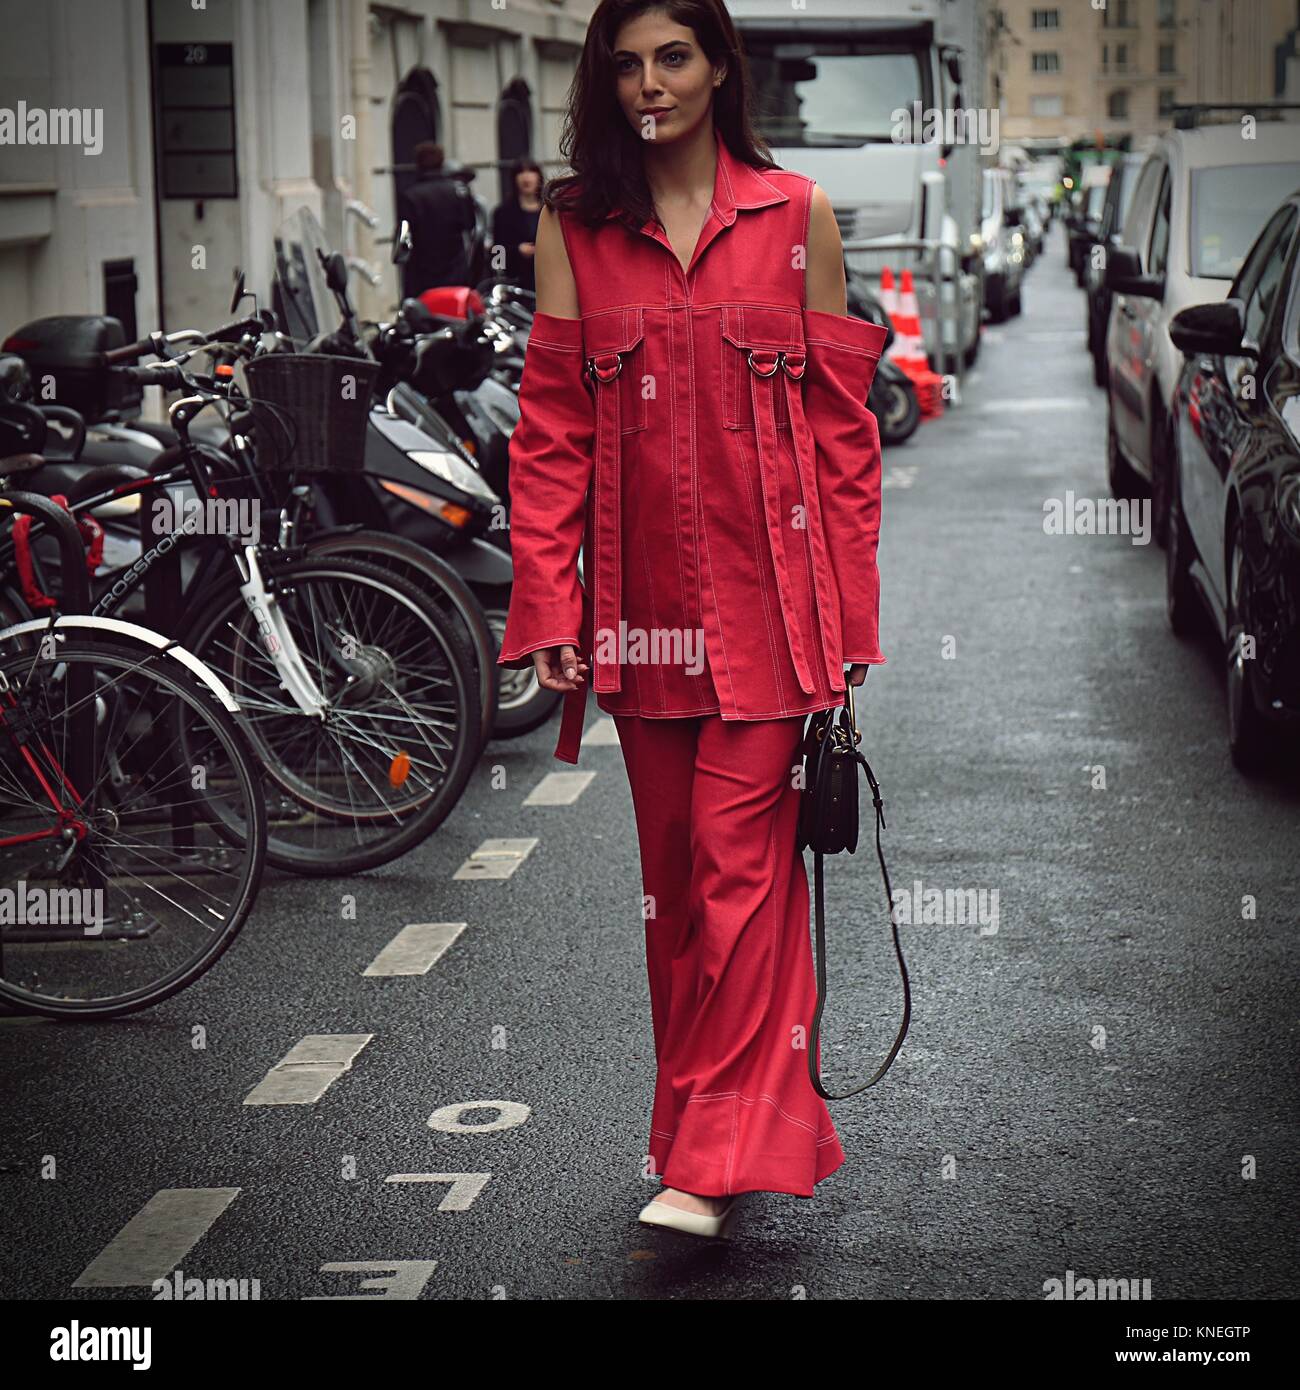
{"x":857,"y":674}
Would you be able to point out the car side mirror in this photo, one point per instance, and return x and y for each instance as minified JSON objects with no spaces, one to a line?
{"x":403,"y":243}
{"x":1124,"y":274}
{"x":1217,"y":329}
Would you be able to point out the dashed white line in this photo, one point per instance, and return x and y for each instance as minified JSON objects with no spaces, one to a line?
{"x":308,"y":1069}
{"x":559,"y":789}
{"x":415,"y":949}
{"x":496,"y":858}
{"x":157,"y":1238}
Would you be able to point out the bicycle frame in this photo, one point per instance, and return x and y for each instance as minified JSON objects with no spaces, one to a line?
{"x":278,"y":640}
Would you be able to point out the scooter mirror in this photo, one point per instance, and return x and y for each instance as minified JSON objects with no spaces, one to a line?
{"x":403,"y":243}
{"x":336,"y":273}
{"x":239,"y":291}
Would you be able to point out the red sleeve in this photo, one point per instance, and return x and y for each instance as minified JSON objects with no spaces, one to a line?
{"x":842,"y":354}
{"x":551,"y":454}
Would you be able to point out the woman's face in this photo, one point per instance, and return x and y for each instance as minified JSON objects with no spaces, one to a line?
{"x":664,"y":80}
{"x":528,"y":183}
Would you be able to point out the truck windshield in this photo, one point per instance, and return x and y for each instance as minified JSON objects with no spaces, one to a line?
{"x":829,"y":92}
{"x":1230,"y":205}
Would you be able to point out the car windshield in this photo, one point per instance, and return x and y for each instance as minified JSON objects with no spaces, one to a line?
{"x":1230,"y":205}
{"x":829,"y":92}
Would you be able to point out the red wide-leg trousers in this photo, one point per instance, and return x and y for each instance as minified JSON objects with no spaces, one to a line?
{"x":730,"y":962}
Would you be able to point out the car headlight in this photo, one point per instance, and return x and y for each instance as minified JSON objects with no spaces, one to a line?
{"x":1288,"y":504}
{"x":455,"y":471}
{"x":993,"y":258}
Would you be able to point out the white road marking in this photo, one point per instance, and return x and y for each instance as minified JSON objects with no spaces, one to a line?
{"x":558,"y":789}
{"x":415,"y":949}
{"x":157,"y":1238}
{"x":601,"y":732}
{"x":899,"y":475}
{"x":405,"y":1280}
{"x":308,"y":1069}
{"x":447,"y":1118}
{"x":460,"y":1196}
{"x":496,"y":858}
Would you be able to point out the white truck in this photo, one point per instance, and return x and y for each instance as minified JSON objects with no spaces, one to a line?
{"x":878,"y":100}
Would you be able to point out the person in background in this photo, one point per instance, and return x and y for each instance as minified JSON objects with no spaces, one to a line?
{"x":514,"y":223}
{"x":440,"y":209}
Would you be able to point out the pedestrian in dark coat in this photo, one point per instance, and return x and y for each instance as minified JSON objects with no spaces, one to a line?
{"x":440,"y":209}
{"x":514,"y":223}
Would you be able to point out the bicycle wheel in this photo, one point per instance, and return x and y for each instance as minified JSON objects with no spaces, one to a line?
{"x":115,"y":892}
{"x":435,"y":578}
{"x":388,"y":755}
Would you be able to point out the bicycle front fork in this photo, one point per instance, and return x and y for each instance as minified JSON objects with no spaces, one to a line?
{"x":280,"y":644}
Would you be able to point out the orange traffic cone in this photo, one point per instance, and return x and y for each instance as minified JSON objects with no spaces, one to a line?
{"x":888,"y":294}
{"x":908,"y":350}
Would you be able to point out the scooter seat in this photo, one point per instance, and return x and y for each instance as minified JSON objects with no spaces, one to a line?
{"x":20,"y":463}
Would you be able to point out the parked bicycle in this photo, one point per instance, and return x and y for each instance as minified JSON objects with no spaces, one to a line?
{"x":360,"y":692}
{"x":118,"y":886}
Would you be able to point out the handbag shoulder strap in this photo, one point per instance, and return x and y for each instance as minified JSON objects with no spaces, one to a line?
{"x":815,"y":1041}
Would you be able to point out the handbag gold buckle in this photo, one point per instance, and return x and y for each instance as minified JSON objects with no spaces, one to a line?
{"x":853,"y":718}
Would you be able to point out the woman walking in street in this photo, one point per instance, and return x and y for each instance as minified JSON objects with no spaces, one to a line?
{"x":514,"y":223}
{"x":693,"y":416}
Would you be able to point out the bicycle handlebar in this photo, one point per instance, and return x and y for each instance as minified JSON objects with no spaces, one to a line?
{"x":238,"y":329}
{"x":115,"y":357}
{"x":164,"y":374}
{"x":129,"y":353}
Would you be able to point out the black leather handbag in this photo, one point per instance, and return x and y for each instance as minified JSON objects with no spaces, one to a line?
{"x":828,"y":824}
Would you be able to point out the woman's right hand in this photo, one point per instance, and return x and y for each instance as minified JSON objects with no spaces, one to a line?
{"x":559,"y":668}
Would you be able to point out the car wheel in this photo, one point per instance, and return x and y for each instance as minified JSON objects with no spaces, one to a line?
{"x":996,"y":294}
{"x":1015,"y":306}
{"x":1118,"y":474}
{"x":1248,"y":732}
{"x":973,"y":352}
{"x":1162,"y":445}
{"x":1181,"y":604}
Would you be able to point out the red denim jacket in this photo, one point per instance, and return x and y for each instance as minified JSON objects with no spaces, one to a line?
{"x":705,"y":438}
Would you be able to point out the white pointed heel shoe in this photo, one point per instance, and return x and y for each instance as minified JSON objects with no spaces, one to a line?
{"x":693,"y":1223}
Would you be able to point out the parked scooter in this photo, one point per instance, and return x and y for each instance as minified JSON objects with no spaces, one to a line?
{"x":453,"y":507}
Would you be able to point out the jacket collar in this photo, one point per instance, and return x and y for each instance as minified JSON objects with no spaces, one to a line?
{"x":736,"y":185}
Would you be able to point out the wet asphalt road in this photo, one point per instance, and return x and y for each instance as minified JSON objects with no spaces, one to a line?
{"x":1082,"y":1090}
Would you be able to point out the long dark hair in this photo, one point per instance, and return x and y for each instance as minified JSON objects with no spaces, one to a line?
{"x":517,"y":168}
{"x":598,"y":143}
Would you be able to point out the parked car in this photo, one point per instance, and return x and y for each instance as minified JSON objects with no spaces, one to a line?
{"x":1035,"y":228}
{"x":1201,"y":199}
{"x":1004,"y":246}
{"x":1119,"y":197}
{"x":1085,"y":226}
{"x":1234,"y":515}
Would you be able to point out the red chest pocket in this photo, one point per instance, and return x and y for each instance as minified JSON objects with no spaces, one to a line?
{"x":758,"y":341}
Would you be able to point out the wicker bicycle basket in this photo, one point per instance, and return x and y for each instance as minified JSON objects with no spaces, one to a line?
{"x":310,"y":411}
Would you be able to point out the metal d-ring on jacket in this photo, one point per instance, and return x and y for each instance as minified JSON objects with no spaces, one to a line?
{"x":705,"y":437}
